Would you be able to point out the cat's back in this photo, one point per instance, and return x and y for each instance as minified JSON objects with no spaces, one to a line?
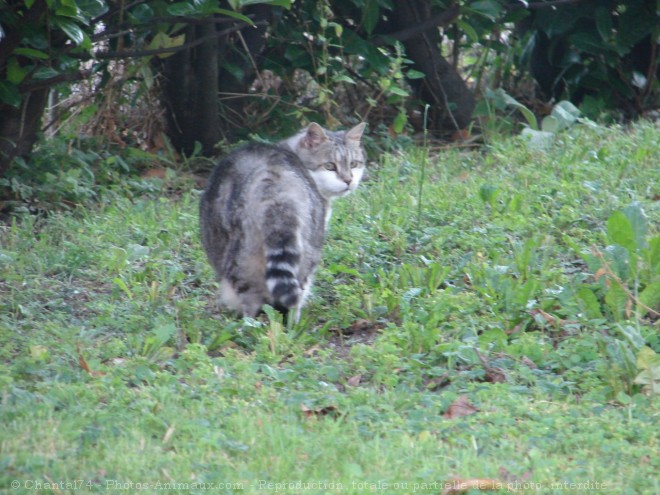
{"x":258,"y":172}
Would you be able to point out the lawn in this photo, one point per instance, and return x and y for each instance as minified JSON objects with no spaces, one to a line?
{"x":482,"y":316}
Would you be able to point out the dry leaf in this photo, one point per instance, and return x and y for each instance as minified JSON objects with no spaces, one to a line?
{"x":321,"y":411}
{"x":83,"y":364}
{"x":457,"y":485}
{"x":154,"y":173}
{"x":168,"y":434}
{"x":528,"y":362}
{"x":461,"y":407}
{"x":354,"y":381}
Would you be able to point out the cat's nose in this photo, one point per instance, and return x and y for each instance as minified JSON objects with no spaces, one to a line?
{"x":347,"y":179}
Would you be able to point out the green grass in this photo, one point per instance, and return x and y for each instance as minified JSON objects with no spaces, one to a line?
{"x":490,"y":293}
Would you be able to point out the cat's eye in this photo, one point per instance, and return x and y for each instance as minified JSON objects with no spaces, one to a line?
{"x":355,"y":164}
{"x":330,"y":166}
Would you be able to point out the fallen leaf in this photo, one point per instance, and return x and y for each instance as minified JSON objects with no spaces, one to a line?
{"x":495,"y":375}
{"x":438,"y":382}
{"x":528,"y":362}
{"x":354,"y":381}
{"x":83,"y":364}
{"x":460,"y":407}
{"x":168,"y":434}
{"x":457,"y":485}
{"x":321,"y":411}
{"x":154,"y":173}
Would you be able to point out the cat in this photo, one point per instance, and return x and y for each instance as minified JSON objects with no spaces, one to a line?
{"x":265,"y":211}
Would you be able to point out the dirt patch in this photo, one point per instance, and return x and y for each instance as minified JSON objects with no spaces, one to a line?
{"x":359,"y":332}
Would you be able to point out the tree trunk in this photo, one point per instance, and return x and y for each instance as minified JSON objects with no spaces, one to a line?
{"x":19,"y":127}
{"x":191,"y":93}
{"x":451,"y":100}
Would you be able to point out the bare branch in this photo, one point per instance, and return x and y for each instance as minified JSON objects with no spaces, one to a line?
{"x":442,"y":19}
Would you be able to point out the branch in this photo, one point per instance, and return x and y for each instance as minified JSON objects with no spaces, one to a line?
{"x":160,"y":51}
{"x":542,"y":5}
{"x":442,"y":19}
{"x":127,"y":27}
{"x":52,"y":81}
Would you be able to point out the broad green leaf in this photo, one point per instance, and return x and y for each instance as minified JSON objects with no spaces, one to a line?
{"x":589,"y":303}
{"x":617,"y":300}
{"x":163,"y":41}
{"x":550,"y":123}
{"x":414,"y":74}
{"x":15,"y":73}
{"x":31,"y":52}
{"x":647,"y":357}
{"x":43,"y":73}
{"x":73,"y":31}
{"x":275,"y":3}
{"x":182,"y":9}
{"x":235,"y":15}
{"x":620,"y":231}
{"x":487,"y":8}
{"x":650,"y":297}
{"x":653,"y":255}
{"x":9,"y":94}
{"x":618,"y":259}
{"x":370,"y":15}
{"x":604,"y":22}
{"x":468,"y":30}
{"x":398,"y":91}
{"x":89,"y":9}
{"x":399,"y":122}
{"x":639,"y":223}
{"x":538,"y":140}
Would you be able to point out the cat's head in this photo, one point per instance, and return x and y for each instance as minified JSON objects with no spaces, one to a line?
{"x":335,"y":160}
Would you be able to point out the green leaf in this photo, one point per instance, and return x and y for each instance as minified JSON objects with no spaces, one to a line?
{"x":275,"y":3}
{"x":15,"y":73}
{"x":604,"y":23}
{"x":43,"y":73}
{"x":620,"y":231}
{"x":617,"y":299}
{"x":639,"y":223}
{"x":31,"y":52}
{"x":398,"y":91}
{"x":487,"y":8}
{"x":646,"y":358}
{"x":399,"y":122}
{"x":182,"y":9}
{"x":653,"y":255}
{"x":9,"y":94}
{"x":235,"y":15}
{"x":370,"y":15}
{"x":589,"y":303}
{"x":73,"y":31}
{"x":469,"y":31}
{"x":618,"y":257}
{"x":650,"y":297}
{"x":414,"y":74}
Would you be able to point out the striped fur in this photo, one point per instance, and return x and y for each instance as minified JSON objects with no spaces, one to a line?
{"x":264,"y":214}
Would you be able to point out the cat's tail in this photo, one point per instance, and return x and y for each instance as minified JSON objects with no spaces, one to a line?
{"x":283,"y":253}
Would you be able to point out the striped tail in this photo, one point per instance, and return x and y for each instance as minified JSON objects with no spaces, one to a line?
{"x":282,"y":261}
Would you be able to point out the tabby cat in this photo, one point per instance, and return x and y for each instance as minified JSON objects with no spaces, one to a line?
{"x":264,"y":214}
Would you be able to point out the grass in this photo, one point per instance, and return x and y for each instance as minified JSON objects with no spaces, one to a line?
{"x":118,"y":373}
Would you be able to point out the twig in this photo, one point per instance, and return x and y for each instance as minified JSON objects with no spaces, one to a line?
{"x":442,"y":19}
{"x":608,"y":271}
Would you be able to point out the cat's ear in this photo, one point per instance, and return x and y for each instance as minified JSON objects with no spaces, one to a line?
{"x":355,"y":134}
{"x":314,"y":136}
